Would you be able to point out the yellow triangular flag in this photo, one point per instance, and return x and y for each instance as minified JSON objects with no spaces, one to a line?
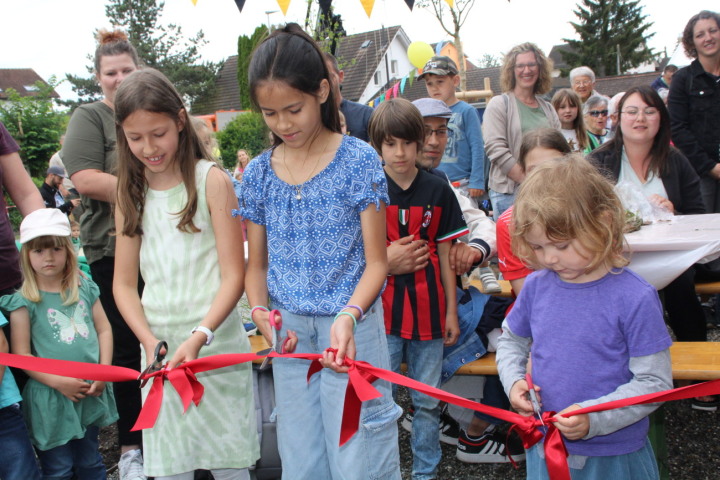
{"x":368,"y":6}
{"x":194,"y":2}
{"x":284,"y":4}
{"x":449,"y":2}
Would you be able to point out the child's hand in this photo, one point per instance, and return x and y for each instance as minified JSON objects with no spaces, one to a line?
{"x":188,"y":350}
{"x":149,"y":346}
{"x":520,"y":398}
{"x":292,"y":341}
{"x":452,"y":330}
{"x":573,"y":428}
{"x":73,"y":388}
{"x":96,"y":389}
{"x":341,"y":338}
{"x":261,"y":319}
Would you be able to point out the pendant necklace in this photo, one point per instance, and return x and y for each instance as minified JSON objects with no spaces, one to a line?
{"x":298,"y":187}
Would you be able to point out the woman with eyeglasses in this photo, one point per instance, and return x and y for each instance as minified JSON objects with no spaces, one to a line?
{"x":526,"y":74}
{"x":640,"y":153}
{"x":595,"y":111}
{"x":582,"y":81}
{"x":694,"y":104}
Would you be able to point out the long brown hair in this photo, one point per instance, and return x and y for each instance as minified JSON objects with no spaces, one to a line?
{"x":573,"y":100}
{"x":151,"y":91}
{"x":70,"y":277}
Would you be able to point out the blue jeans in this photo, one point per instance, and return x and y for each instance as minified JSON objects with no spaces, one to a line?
{"x":17,"y":458}
{"x":501,"y":202}
{"x":79,"y":458}
{"x":639,"y":465}
{"x":424,"y":363}
{"x":309,"y":413}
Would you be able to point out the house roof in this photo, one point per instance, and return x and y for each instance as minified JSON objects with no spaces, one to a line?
{"x":609,"y":86}
{"x":227,"y":93}
{"x":359,"y":55}
{"x":556,"y":55}
{"x":22,"y":80}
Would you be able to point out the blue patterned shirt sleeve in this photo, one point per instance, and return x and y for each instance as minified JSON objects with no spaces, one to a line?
{"x":315,"y":246}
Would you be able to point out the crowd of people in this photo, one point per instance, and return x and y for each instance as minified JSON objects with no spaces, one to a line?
{"x":358,"y":223}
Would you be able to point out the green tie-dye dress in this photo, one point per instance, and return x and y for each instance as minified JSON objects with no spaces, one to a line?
{"x":182,"y":275}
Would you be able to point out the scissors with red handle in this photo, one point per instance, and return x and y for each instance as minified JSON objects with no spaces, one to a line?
{"x":279,"y":343}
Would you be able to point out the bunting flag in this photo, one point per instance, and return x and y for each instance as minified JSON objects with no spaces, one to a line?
{"x":240,"y":4}
{"x":411,"y":78}
{"x":194,"y":2}
{"x":396,"y":89}
{"x":410,"y":4}
{"x":402,"y":84}
{"x":284,"y":4}
{"x":450,"y":2}
{"x":368,"y":6}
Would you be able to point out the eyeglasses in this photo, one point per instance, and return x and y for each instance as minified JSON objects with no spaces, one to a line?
{"x":582,"y":83}
{"x":440,"y":132}
{"x":522,"y":66}
{"x":598,"y":113}
{"x":633,"y":112}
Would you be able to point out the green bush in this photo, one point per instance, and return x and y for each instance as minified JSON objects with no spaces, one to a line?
{"x":247,"y":131}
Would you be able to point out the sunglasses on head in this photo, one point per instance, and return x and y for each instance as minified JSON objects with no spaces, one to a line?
{"x":597,"y":113}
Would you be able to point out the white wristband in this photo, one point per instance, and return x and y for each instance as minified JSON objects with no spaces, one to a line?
{"x":210,"y":335}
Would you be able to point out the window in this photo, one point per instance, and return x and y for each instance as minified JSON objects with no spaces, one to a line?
{"x":366,"y":44}
{"x":31,"y":88}
{"x":394,"y":66}
{"x":377,"y":77}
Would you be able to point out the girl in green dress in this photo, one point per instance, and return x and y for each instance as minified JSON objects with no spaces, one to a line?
{"x":56,"y":314}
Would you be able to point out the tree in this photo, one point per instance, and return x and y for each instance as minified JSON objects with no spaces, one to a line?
{"x":613,"y":36}
{"x":35,"y":125}
{"x":458,"y":13}
{"x":248,"y":131}
{"x":246,"y":45}
{"x":489,"y":60}
{"x":164,"y":48}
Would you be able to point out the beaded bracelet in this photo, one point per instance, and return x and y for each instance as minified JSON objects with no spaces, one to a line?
{"x":259,"y":307}
{"x":359,"y":309}
{"x":349,"y":315}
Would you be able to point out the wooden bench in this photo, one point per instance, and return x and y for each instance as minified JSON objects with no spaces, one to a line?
{"x":690,"y":360}
{"x":505,"y":284}
{"x":710,"y":288}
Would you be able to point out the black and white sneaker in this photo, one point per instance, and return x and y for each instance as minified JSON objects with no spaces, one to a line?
{"x":489,"y":448}
{"x":449,"y":428}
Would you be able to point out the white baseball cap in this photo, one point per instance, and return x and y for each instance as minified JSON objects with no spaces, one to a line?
{"x":45,"y":221}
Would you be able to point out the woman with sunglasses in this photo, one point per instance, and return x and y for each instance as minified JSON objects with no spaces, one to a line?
{"x":640,"y":153}
{"x":596,"y":112}
{"x":526,"y":74}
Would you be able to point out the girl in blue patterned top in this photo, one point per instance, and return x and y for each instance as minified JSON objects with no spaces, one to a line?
{"x":315,"y":206}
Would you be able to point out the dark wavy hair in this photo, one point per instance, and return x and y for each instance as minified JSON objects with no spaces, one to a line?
{"x":151,"y":91}
{"x":687,"y":37}
{"x":291,"y":56}
{"x":660,"y":150}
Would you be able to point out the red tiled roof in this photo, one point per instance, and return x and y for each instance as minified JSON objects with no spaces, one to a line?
{"x":19,"y":79}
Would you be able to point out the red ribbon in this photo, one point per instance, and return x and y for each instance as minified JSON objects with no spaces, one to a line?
{"x":361,"y":376}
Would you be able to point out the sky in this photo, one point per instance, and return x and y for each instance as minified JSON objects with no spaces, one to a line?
{"x":55,"y":37}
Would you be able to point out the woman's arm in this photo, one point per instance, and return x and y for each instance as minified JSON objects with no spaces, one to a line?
{"x":96,"y":184}
{"x":105,"y":340}
{"x":372,"y":221}
{"x":495,"y":128}
{"x":125,"y":285}
{"x":73,"y":388}
{"x":221,"y":201}
{"x":447,"y":277}
{"x":19,"y":185}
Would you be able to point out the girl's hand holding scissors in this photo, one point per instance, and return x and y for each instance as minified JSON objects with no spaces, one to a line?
{"x":520,"y":398}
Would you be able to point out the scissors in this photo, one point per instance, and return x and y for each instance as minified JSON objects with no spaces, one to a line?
{"x":156,"y":365}
{"x":278,"y":342}
{"x":533,"y":398}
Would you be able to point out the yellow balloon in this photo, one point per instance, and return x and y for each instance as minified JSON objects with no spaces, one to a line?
{"x":419,"y":53}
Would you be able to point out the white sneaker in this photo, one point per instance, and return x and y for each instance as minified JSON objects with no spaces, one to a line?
{"x":489,"y":282}
{"x":131,"y":465}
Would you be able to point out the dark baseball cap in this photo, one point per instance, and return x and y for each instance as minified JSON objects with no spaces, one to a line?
{"x":57,"y":170}
{"x":440,"y":65}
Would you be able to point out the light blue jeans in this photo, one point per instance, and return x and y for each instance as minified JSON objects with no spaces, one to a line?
{"x":309,"y":413}
{"x":639,"y":465}
{"x":424,"y":363}
{"x":501,"y":202}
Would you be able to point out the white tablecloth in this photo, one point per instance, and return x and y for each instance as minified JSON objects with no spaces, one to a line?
{"x":662,"y":251}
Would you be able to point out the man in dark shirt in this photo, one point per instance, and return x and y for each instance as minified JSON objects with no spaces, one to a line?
{"x":356,"y":114}
{"x":50,"y":191}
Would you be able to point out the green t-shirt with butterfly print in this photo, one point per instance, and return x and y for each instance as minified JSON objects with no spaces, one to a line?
{"x":65,"y":332}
